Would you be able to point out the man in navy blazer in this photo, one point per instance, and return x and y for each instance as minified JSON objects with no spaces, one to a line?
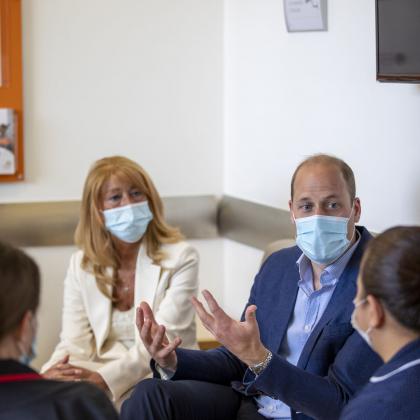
{"x":294,"y":354}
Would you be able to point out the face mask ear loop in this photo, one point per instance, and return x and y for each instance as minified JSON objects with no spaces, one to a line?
{"x":370,"y":328}
{"x":294,"y":219}
{"x":21,"y":348}
{"x":361,"y":302}
{"x":348,"y":220}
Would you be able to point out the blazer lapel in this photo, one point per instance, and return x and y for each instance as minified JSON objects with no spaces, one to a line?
{"x":147,"y":279}
{"x":99,"y":309}
{"x":342,"y":297}
{"x":283,"y":306}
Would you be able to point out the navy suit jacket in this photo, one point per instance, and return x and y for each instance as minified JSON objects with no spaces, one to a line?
{"x":335,"y":362}
{"x":395,"y":397}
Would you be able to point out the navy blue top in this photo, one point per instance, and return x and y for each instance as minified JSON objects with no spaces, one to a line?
{"x":393,"y":393}
{"x":26,"y":395}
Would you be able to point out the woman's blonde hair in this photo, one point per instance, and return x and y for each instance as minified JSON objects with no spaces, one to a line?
{"x":100,"y":255}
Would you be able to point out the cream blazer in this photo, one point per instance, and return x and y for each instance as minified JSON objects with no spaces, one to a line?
{"x":167,"y":288}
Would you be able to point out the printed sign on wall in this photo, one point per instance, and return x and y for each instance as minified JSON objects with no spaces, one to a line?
{"x":305,"y":15}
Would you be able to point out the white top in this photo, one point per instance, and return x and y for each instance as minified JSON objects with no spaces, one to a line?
{"x":121,"y":329}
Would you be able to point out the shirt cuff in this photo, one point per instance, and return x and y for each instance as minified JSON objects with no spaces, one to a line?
{"x":164,"y":373}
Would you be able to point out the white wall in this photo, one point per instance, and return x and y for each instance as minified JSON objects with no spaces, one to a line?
{"x":241,"y":264}
{"x":288,"y":95}
{"x":135,"y":77}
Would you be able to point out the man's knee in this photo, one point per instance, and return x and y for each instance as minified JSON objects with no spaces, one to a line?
{"x":148,"y":388}
{"x":148,"y":395}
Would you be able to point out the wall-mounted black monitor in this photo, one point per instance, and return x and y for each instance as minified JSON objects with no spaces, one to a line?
{"x":398,"y":40}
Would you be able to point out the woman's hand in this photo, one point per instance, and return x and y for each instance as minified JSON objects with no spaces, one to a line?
{"x":64,"y":371}
{"x":154,"y":338}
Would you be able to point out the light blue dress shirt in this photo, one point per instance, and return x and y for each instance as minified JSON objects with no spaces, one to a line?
{"x":309,"y":307}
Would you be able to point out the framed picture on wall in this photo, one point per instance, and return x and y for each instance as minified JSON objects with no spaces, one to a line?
{"x":11,"y":96}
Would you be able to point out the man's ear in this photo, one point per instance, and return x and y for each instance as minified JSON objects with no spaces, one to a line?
{"x":291,"y":211}
{"x":357,"y":209}
{"x":376,"y":312}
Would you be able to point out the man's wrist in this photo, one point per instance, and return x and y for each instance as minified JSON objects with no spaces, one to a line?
{"x":257,"y":356}
{"x":169,"y":365}
{"x":257,"y":368}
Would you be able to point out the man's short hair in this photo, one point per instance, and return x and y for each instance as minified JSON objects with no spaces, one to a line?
{"x":324,"y":159}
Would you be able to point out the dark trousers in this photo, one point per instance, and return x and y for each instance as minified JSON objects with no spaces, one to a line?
{"x":155,"y":399}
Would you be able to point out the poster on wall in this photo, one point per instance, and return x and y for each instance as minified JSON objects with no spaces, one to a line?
{"x":7,"y":141}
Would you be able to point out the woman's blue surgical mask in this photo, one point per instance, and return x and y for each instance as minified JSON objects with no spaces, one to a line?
{"x":323,"y":239}
{"x":26,"y":358}
{"x":128,"y":223}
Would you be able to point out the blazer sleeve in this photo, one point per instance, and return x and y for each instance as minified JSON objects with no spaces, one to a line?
{"x":174,"y":310}
{"x":76,"y":337}
{"x":123,"y":373}
{"x":217,"y":366}
{"x":303,"y":391}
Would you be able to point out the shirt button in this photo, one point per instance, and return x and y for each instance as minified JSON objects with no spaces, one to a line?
{"x":307,"y":327}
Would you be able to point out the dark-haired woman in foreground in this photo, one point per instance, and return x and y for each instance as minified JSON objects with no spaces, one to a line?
{"x":387,"y":315}
{"x":23,"y":393}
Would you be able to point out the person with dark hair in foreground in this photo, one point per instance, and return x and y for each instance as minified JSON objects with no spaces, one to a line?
{"x":294,"y":354}
{"x":387,"y":316}
{"x":24,"y":394}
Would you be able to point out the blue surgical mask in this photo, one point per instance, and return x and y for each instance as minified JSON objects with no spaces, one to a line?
{"x":26,"y":358}
{"x":128,"y":223}
{"x":323,"y":239}
{"x":355,"y":325}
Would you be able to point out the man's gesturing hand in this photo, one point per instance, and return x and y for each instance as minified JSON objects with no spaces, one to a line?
{"x":154,"y":338}
{"x":240,"y":338}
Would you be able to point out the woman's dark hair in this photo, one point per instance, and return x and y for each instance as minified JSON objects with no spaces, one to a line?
{"x":19,"y":287}
{"x":390,"y":271}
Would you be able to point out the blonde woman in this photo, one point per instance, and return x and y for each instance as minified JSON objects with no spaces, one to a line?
{"x":128,"y":253}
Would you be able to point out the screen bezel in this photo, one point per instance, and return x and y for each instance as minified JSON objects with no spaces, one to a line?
{"x":393,"y":77}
